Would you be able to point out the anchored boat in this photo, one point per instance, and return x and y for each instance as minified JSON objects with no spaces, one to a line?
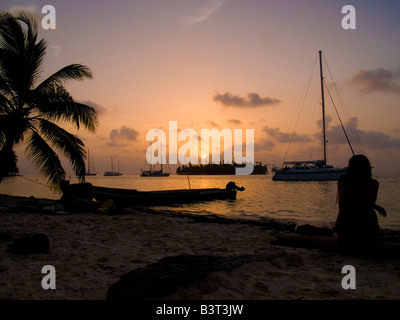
{"x":312,"y":169}
{"x":113,"y":172}
{"x":91,"y":168}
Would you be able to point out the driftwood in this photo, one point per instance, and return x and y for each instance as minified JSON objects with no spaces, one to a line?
{"x":381,"y":249}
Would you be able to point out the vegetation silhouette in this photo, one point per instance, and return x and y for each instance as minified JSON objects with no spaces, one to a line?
{"x":31,"y":107}
{"x":218,"y":169}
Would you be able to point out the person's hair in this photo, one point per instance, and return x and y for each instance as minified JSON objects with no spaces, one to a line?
{"x":358,"y":170}
{"x":359,"y":167}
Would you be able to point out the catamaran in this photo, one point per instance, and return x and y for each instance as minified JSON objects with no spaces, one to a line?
{"x":312,"y":169}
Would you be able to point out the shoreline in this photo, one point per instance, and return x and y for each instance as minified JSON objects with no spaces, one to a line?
{"x":91,"y":251}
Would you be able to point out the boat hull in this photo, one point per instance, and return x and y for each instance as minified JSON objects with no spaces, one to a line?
{"x":312,"y":175}
{"x":155,"y":175}
{"x":112,"y":174}
{"x":131,"y":197}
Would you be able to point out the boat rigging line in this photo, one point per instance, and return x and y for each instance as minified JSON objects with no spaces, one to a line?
{"x":46,"y":185}
{"x":340,"y":120}
{"x":300,"y":106}
{"x":345,"y":112}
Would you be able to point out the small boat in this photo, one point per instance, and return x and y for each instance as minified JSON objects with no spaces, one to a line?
{"x":113,"y":173}
{"x":90,"y":166}
{"x":155,"y":173}
{"x":316,"y":170}
{"x":131,"y":197}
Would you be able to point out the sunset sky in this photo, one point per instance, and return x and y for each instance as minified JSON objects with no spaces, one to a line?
{"x":231,"y":64}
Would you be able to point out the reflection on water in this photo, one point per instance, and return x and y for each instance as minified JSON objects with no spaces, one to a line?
{"x":263,"y":197}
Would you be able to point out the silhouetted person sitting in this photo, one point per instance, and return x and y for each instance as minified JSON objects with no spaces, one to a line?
{"x":357,"y":223}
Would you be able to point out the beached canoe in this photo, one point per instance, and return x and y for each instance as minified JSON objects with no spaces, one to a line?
{"x":163,"y":197}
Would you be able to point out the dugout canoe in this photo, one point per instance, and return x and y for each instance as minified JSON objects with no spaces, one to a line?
{"x":161,"y":197}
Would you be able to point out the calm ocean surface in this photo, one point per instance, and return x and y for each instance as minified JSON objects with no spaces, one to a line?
{"x":262,"y":198}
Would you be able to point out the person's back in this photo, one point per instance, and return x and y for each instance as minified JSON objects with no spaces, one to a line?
{"x":356,"y":222}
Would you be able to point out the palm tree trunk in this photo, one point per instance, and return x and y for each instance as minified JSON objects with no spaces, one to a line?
{"x":8,"y":162}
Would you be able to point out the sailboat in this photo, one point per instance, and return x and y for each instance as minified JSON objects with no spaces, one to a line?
{"x":90,"y":164}
{"x":113,"y":173}
{"x":311,"y":169}
{"x":155,"y":173}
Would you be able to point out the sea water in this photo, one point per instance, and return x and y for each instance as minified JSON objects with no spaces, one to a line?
{"x":262,"y":198}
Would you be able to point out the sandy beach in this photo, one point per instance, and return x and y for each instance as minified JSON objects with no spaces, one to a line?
{"x":91,"y":251}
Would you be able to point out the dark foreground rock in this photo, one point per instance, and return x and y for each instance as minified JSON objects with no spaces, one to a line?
{"x":32,"y":244}
{"x":163,"y":278}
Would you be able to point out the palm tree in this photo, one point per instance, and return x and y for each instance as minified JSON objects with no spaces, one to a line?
{"x":30,"y":108}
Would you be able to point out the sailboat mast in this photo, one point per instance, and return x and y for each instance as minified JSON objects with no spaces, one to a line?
{"x":151,"y":155}
{"x":323,"y":105}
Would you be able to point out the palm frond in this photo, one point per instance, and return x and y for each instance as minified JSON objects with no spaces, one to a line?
{"x":43,"y":157}
{"x":36,"y":56}
{"x":32,"y":30}
{"x":70,"y":72}
{"x":87,"y":116}
{"x":55,"y":103}
{"x":14,"y":125}
{"x":14,"y":73}
{"x":11,"y":34}
{"x":4,"y":87}
{"x":70,"y":145}
{"x":21,"y":56}
{"x":5,"y":104}
{"x":3,"y":131}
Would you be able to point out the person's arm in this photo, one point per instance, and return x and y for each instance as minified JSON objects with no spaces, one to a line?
{"x":375,"y":187}
{"x":380,"y":210}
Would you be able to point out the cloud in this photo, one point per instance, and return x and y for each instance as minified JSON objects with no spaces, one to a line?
{"x":234,"y":121}
{"x":283,"y":137}
{"x":28,"y":8}
{"x":204,"y":13}
{"x":264,"y":145}
{"x":328,"y":120}
{"x":56,"y":50}
{"x":371,"y":139}
{"x":253,"y":100}
{"x":380,"y":80}
{"x":124,"y":133}
{"x":212,"y":123}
